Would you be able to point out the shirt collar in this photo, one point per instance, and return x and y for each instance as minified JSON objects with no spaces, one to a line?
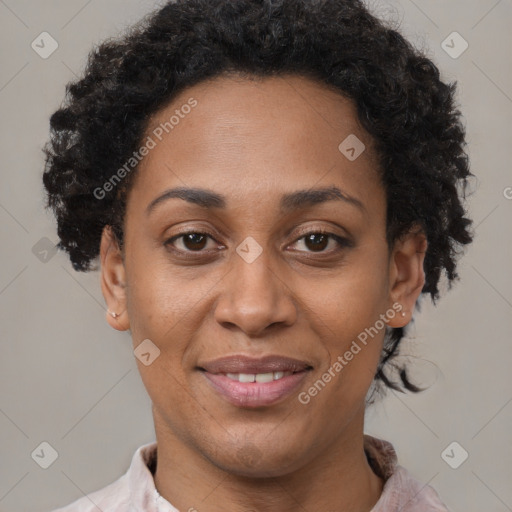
{"x":143,"y":493}
{"x":381,"y":456}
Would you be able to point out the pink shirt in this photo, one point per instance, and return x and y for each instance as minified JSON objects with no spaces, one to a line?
{"x":135,"y":491}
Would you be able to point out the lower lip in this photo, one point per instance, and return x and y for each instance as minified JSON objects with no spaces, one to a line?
{"x":255,"y":394}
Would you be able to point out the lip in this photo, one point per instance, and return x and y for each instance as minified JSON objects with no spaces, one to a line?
{"x":246,"y":364}
{"x":254,"y":394}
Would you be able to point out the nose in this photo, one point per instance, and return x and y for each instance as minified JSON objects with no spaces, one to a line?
{"x":255,"y":298}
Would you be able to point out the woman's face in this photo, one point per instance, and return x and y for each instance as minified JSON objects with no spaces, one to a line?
{"x":258,"y":278}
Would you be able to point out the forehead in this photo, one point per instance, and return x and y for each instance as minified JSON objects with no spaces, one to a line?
{"x":235,"y":106}
{"x":256,"y":137}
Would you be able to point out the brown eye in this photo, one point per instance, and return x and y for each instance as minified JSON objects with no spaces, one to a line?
{"x":319,"y":241}
{"x":316,"y":241}
{"x":192,"y":241}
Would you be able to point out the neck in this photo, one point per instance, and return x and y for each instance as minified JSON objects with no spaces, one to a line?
{"x":339,"y":478}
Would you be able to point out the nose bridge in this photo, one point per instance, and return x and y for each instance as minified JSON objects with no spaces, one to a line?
{"x":254,"y":297}
{"x":254,"y":277}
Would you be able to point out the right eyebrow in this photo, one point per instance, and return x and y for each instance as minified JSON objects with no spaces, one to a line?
{"x":199,"y":196}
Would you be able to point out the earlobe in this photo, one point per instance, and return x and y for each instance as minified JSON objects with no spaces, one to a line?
{"x":407,"y":276}
{"x":113,"y":281}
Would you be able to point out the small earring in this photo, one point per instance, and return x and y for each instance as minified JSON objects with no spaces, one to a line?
{"x":112,"y":313}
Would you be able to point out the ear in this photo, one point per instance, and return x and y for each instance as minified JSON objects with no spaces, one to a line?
{"x":406,"y":273}
{"x":113,"y":280}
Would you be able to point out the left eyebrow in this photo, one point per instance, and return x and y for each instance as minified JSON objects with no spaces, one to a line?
{"x":310,"y":197}
{"x":289,"y":202}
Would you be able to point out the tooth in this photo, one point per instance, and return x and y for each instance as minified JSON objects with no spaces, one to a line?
{"x":264,"y":377}
{"x":259,"y":377}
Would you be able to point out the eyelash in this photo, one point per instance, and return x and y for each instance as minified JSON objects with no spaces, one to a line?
{"x":342,"y":242}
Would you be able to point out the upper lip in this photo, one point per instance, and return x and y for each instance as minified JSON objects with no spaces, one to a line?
{"x":246,"y":364}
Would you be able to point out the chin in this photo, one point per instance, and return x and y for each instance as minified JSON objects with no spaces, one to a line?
{"x":255,"y":461}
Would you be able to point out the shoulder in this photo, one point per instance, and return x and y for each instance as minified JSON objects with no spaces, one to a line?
{"x":129,"y":493}
{"x":115,"y":497}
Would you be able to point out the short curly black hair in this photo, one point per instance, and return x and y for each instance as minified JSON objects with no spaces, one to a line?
{"x":401,"y":101}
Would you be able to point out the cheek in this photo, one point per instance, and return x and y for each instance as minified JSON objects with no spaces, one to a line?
{"x":158,"y":299}
{"x":163,"y":309}
{"x":354,"y":298}
{"x":347,"y":317}
{"x":167,"y":306}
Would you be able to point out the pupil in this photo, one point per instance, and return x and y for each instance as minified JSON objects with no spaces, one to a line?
{"x":316,"y":246}
{"x":195,"y":239}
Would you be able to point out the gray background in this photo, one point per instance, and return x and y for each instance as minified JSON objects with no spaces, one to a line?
{"x":68,"y":379}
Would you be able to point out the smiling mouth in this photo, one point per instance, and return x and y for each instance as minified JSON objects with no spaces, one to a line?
{"x":250,"y":390}
{"x":246,"y":381}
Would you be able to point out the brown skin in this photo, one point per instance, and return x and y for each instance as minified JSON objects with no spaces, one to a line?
{"x":253,"y":141}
